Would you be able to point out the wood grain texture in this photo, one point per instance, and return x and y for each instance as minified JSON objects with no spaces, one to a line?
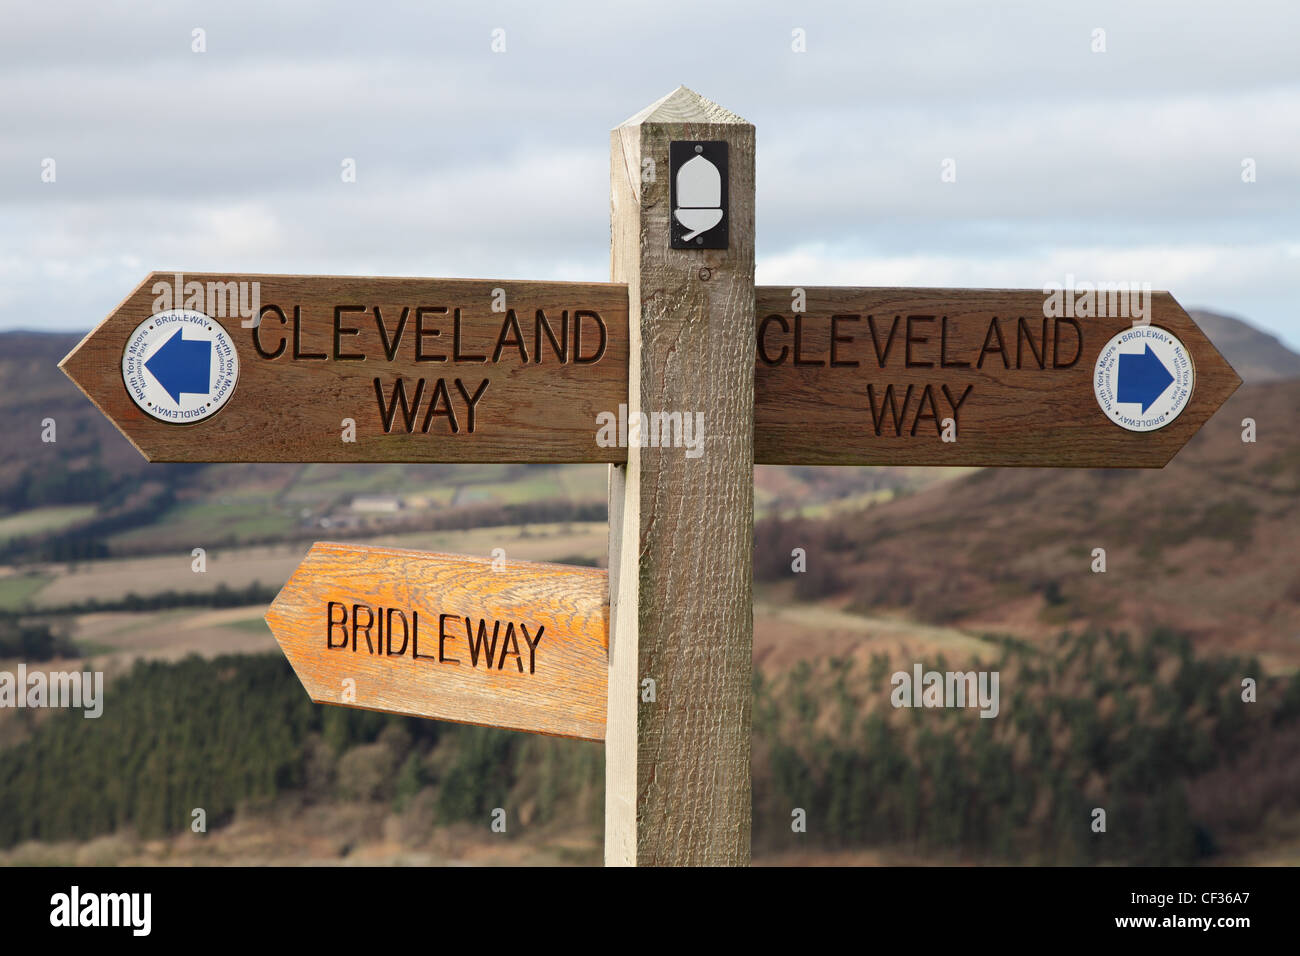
{"x":816,"y":414}
{"x":291,"y":409}
{"x":558,"y":622}
{"x":806,"y":410}
{"x":678,"y":768}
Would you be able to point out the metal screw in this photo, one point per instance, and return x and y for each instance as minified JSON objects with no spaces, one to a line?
{"x":705,"y":274}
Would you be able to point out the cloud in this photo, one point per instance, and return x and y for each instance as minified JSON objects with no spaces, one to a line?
{"x":481,"y":164}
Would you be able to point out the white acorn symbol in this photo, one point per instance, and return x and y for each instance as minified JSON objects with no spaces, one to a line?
{"x":699,"y":196}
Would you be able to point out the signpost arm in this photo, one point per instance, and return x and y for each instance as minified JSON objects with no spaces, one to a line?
{"x":677,"y":778}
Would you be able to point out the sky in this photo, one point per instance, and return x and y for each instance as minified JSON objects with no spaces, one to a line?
{"x":1120,"y":155}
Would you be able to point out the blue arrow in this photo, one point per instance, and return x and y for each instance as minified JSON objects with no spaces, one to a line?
{"x":181,"y":365}
{"x":1142,"y":378}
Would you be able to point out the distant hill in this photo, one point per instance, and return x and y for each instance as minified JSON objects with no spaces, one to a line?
{"x":1206,"y":545}
{"x":88,"y":475}
{"x":1257,"y":356}
{"x":32,"y":389}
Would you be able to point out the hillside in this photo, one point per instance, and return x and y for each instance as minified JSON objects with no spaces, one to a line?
{"x":1257,"y":356}
{"x":1158,"y":734}
{"x":32,"y":389}
{"x":1206,"y":546}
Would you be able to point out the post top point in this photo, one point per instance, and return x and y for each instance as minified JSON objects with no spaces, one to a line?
{"x":684,"y":105}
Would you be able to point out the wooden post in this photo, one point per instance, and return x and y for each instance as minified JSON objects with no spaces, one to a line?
{"x":677,"y":775}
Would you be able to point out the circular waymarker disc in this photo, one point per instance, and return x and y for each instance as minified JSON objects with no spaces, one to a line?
{"x":1143,"y":378}
{"x":180,"y":366}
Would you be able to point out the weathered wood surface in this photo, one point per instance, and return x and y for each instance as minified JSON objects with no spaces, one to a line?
{"x":677,"y":774}
{"x":522,"y":646}
{"x":1017,"y":384}
{"x":300,"y":376}
{"x":1028,"y":403}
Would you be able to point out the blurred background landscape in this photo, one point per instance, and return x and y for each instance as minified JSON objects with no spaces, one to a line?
{"x":1120,"y":689}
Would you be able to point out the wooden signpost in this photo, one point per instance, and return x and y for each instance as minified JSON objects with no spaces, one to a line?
{"x":869,"y":376}
{"x":507,"y":644}
{"x":426,"y":370}
{"x":680,"y":374}
{"x":451,"y":370}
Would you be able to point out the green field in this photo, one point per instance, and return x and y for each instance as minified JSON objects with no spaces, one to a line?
{"x":222,"y":518}
{"x":17,"y":590}
{"x":575,"y":483}
{"x":41,"y":520}
{"x":250,"y":625}
{"x":330,"y":483}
